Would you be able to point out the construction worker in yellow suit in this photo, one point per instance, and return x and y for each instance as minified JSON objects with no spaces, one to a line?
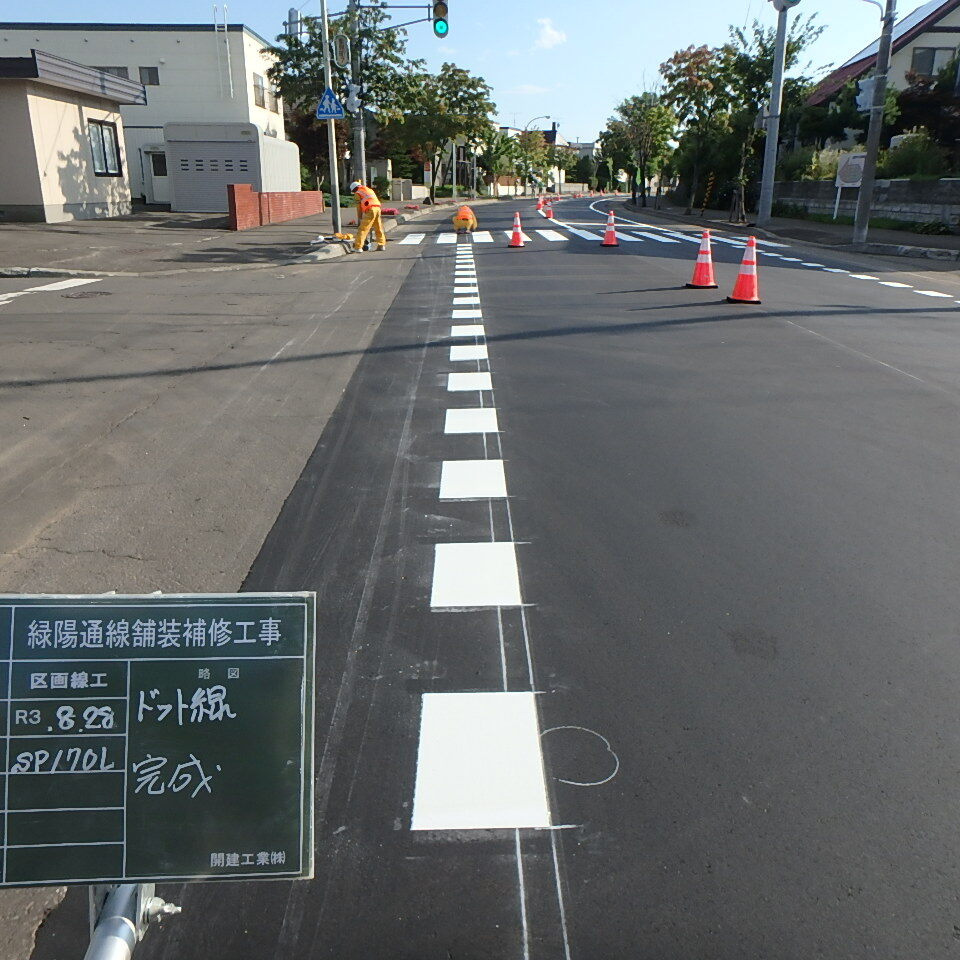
{"x":368,"y":216}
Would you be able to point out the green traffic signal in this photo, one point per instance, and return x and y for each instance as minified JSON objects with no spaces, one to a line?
{"x":440,"y":25}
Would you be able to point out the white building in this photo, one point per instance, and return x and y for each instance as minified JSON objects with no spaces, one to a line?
{"x":193,"y":73}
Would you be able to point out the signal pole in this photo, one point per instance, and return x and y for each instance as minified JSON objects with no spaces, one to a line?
{"x":861,"y":224}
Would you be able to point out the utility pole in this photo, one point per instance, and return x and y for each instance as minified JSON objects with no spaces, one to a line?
{"x":865,"y":198}
{"x":331,"y":125}
{"x":358,"y":160}
{"x":773,"y":120}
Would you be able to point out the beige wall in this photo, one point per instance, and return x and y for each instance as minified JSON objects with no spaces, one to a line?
{"x":48,"y":168}
{"x":902,"y":61}
{"x":19,"y":177}
{"x":270,"y":122}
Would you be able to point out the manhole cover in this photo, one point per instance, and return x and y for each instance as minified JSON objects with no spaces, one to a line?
{"x":85,"y":294}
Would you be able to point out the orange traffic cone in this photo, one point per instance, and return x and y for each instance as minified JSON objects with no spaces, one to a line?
{"x":517,"y":239}
{"x":610,"y":236}
{"x":549,"y":211}
{"x":747,"y":289}
{"x":703,"y":277}
{"x":539,"y":203}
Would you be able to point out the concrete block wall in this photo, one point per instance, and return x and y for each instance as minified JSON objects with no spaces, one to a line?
{"x":247,"y":208}
{"x":920,"y":201}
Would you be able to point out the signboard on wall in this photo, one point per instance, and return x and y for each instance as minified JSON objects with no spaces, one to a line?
{"x":156,"y":738}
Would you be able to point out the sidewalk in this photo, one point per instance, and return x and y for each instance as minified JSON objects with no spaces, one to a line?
{"x":884,"y":242}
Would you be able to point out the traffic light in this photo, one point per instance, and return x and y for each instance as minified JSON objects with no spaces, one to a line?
{"x":441,"y":26}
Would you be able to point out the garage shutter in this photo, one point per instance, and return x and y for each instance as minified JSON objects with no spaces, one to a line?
{"x":200,"y":170}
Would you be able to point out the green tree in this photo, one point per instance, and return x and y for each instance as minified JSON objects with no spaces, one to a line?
{"x":645,"y":126}
{"x":533,"y":157}
{"x":696,"y":86}
{"x":497,"y":157}
{"x":586,"y":171}
{"x":437,"y":110}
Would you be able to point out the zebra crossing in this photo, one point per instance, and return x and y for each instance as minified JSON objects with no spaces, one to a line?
{"x":549,"y":236}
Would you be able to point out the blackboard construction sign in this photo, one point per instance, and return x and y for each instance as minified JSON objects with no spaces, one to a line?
{"x":162,"y":737}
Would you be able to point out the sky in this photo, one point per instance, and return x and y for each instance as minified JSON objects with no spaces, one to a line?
{"x":572,"y":60}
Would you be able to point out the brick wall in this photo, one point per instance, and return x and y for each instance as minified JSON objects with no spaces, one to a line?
{"x":248,"y":208}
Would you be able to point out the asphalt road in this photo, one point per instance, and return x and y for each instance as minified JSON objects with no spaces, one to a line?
{"x":731,"y":628}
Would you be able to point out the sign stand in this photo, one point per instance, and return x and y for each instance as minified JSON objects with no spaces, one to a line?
{"x":119,"y":917}
{"x":849,"y":174}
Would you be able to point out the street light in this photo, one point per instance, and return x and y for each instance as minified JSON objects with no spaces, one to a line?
{"x":773,"y":121}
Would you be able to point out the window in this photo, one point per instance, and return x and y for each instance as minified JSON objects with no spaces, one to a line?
{"x":150,"y":76}
{"x":121,"y":72}
{"x":273,"y":101}
{"x":105,"y":148}
{"x":259,"y":91}
{"x":158,"y":163}
{"x":929,"y":61}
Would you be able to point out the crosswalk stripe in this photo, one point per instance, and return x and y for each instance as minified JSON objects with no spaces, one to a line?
{"x":659,"y":237}
{"x":446,"y":238}
{"x":683,"y":236}
{"x":583,"y":234}
{"x":413,"y":238}
{"x":482,"y":236}
{"x":551,"y":235}
{"x":627,"y":237}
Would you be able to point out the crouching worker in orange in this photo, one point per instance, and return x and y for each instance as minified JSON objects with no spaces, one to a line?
{"x":464,"y":219}
{"x":368,"y":217}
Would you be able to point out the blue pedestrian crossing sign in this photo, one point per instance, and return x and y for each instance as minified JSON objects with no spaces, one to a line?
{"x":329,"y":107}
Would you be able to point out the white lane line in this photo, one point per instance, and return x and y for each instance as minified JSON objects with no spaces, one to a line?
{"x":466,"y":315}
{"x":526,"y":239}
{"x":795,"y":260}
{"x":472,"y":479}
{"x":471,"y":420}
{"x":446,"y":238}
{"x":468,"y":381}
{"x":767,"y":243}
{"x":862,"y":276}
{"x":655,"y":236}
{"x":933,"y":293}
{"x":805,"y":264}
{"x":627,"y":237}
{"x":468,"y":330}
{"x":469,"y":351}
{"x":64,"y":284}
{"x":413,"y":238}
{"x":834,"y":270}
{"x":552,"y":235}
{"x":471,"y":575}
{"x":482,"y":236}
{"x":465,"y":301}
{"x":895,"y":284}
{"x":479,"y":763}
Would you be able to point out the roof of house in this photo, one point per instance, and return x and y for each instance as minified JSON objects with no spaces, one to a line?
{"x":145,"y":27}
{"x":905,"y":31}
{"x":55,"y":71}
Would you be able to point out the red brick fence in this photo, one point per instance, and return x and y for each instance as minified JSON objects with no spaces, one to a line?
{"x":248,"y":208}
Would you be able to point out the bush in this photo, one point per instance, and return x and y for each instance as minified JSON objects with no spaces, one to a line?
{"x":381,"y":186}
{"x":807,"y":163}
{"x":919,"y":155}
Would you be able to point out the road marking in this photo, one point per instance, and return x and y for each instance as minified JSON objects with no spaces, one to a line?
{"x":468,"y":381}
{"x":767,"y":243}
{"x":63,"y":284}
{"x":464,"y":279}
{"x":796,"y":260}
{"x":933,"y":293}
{"x":471,"y":420}
{"x":472,"y":479}
{"x":862,"y":276}
{"x":468,"y":330}
{"x":656,"y":236}
{"x":479,"y":763}
{"x":834,"y":270}
{"x":465,"y":301}
{"x":552,"y":235}
{"x":471,"y":575}
{"x":719,"y":239}
{"x":466,"y":315}
{"x":460,"y":290}
{"x":895,"y":284}
{"x":582,"y":233}
{"x":811,"y":264}
{"x":627,"y":237}
{"x":526,"y":239}
{"x":472,"y":351}
{"x":482,"y":236}
{"x":683,"y":236}
{"x":446,"y":238}
{"x":413,"y":238}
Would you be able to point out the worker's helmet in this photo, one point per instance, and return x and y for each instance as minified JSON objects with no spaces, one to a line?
{"x":355,"y":185}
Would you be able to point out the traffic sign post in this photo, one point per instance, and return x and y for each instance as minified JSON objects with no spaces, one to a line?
{"x":329,"y":107}
{"x":156,"y":738}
